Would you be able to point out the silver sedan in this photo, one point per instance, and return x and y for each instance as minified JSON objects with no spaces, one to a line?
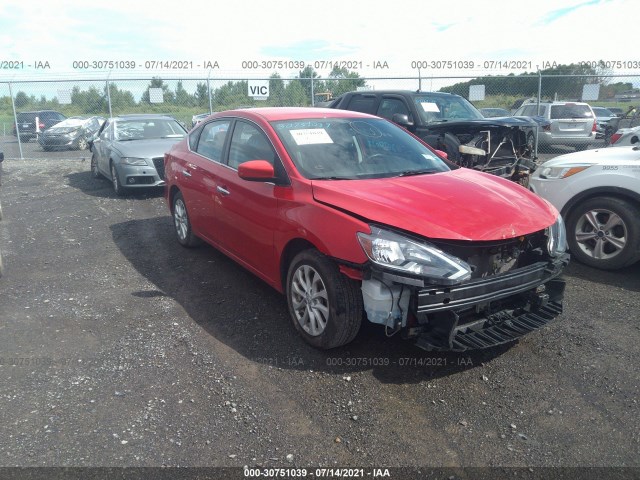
{"x":129,"y":150}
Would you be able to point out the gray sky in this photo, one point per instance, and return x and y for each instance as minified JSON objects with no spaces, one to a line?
{"x":364,"y":34}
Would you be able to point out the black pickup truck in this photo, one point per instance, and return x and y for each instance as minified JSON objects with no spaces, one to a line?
{"x":451,"y":124}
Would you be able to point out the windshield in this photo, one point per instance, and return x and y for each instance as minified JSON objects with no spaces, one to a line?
{"x":437,"y":108}
{"x":348,"y":148}
{"x":144,"y":129}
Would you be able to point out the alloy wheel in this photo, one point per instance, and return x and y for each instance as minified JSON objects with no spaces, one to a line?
{"x":310,"y":300}
{"x":601,"y":234}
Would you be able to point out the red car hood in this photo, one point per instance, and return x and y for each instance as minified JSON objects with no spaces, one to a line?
{"x":457,"y":205}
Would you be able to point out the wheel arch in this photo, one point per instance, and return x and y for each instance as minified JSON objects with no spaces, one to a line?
{"x":171,"y":195}
{"x":291,"y":249}
{"x":615,"y":192}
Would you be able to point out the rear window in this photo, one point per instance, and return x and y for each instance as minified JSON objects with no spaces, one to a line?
{"x":570,"y":111}
{"x":26,"y":117}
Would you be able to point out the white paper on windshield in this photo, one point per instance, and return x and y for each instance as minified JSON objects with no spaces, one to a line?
{"x":430,"y":107}
{"x":311,"y":136}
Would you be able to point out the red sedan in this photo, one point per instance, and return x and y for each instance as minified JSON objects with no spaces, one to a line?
{"x":353,"y":218}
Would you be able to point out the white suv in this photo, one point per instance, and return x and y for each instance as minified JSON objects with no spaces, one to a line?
{"x":598,"y":194}
{"x":572,"y":123}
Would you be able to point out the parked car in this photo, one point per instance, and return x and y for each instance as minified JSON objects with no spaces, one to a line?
{"x":617,"y":111}
{"x":29,"y":128}
{"x":74,"y":133}
{"x":196,"y":119}
{"x":451,"y":124}
{"x":492,"y":112}
{"x":598,"y":193}
{"x":129,"y":150}
{"x":604,"y":119}
{"x":353,"y":218}
{"x":571,"y":124}
{"x":625,"y":137}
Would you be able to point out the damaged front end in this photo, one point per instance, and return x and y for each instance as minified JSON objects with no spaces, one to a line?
{"x":500,"y":146}
{"x":458,"y":296}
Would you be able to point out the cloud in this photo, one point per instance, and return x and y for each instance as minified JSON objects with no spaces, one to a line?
{"x":232,"y":32}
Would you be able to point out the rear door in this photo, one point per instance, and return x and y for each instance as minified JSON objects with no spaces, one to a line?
{"x":571,"y":120}
{"x":198,"y":176}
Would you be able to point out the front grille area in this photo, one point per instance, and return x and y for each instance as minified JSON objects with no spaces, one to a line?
{"x":158,"y":163}
{"x":437,"y":298}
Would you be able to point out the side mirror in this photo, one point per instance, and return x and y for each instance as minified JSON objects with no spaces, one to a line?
{"x":402,"y":120}
{"x":634,"y":140}
{"x":1,"y":156}
{"x":442,"y":154}
{"x":256,"y":171}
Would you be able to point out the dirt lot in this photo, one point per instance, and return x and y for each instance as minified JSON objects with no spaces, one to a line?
{"x":121,"y":348}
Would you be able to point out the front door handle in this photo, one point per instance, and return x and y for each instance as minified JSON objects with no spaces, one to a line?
{"x":186,"y":173}
{"x":223,"y":190}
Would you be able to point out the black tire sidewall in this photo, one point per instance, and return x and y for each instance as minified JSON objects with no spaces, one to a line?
{"x":117,"y":186}
{"x":341,"y":309}
{"x":95,"y":173}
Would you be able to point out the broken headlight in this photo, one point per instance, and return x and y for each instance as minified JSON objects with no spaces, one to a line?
{"x":556,"y":238}
{"x":397,"y":252}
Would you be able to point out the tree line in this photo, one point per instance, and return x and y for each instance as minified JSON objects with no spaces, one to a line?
{"x":233,"y":94}
{"x":564,"y":82}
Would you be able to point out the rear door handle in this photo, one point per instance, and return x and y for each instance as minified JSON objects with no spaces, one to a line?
{"x":223,"y":190}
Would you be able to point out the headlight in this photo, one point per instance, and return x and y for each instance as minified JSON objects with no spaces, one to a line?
{"x":397,"y":252}
{"x":555,"y":173}
{"x":556,"y":238}
{"x":133,"y":161}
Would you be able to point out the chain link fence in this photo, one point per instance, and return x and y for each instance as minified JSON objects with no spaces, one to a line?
{"x":184,"y":98}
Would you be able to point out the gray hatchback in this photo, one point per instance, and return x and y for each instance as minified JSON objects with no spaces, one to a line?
{"x":129,"y":150}
{"x":571,"y":123}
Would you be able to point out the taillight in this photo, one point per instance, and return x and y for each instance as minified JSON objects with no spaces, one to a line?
{"x":594,"y":128}
{"x":41,"y":126}
{"x":615,"y":137}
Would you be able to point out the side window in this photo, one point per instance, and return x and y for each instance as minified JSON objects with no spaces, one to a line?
{"x":249,"y":143}
{"x":210,"y":142}
{"x":390,"y":106}
{"x":362,"y":103}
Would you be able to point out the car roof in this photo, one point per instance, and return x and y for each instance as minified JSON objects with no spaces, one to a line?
{"x":292,"y":113}
{"x":142,"y":116}
{"x":409,"y":93}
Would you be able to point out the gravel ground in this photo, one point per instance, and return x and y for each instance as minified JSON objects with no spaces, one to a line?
{"x":120,"y":348}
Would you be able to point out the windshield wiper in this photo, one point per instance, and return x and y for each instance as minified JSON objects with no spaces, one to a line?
{"x":409,"y":173}
{"x":332,"y":178}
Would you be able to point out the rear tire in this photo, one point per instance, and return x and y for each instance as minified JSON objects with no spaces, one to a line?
{"x":325,"y":306}
{"x":83,"y":144}
{"x":604,"y":232}
{"x":182,"y":224}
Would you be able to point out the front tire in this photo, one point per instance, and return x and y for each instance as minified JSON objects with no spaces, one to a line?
{"x":604,"y":233}
{"x":325,"y":306}
{"x":95,"y":173}
{"x":115,"y":181}
{"x":181,"y":222}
